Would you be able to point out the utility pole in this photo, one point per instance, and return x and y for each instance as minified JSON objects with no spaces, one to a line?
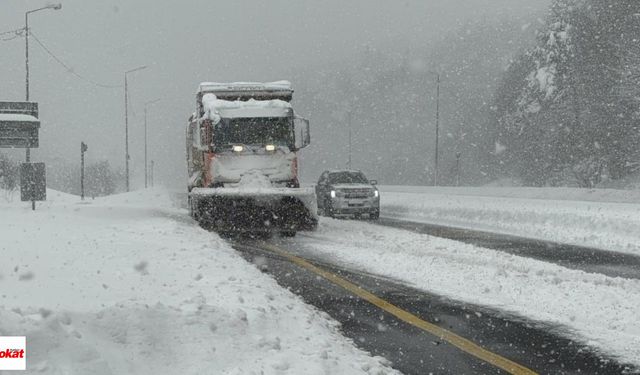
{"x":146,"y":173}
{"x":83,"y":149}
{"x":435,"y":179}
{"x":126,"y":121}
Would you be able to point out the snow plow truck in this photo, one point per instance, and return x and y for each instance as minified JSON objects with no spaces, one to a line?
{"x":242,"y":144}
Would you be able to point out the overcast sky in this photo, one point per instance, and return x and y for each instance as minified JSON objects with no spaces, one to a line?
{"x":185,"y":42}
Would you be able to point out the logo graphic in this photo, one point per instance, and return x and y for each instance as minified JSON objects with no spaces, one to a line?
{"x":13,"y":353}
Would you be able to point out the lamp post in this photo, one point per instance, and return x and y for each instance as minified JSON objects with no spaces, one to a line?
{"x":126,"y":121}
{"x":350,"y":131}
{"x":83,"y":149}
{"x":435,"y":178}
{"x":151,"y":174}
{"x":146,"y":173}
{"x":458,"y":155}
{"x":26,"y":56}
{"x":26,"y":40}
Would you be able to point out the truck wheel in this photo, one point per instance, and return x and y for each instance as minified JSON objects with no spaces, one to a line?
{"x":288,"y":233}
{"x":374,"y":215}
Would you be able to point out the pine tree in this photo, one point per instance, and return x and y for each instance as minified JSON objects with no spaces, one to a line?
{"x":575,"y":117}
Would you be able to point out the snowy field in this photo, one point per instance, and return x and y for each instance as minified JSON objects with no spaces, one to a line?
{"x":602,"y":218}
{"x":599,"y":311}
{"x":129,"y":285}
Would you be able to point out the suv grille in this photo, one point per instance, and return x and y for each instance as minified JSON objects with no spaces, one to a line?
{"x":357,"y":193}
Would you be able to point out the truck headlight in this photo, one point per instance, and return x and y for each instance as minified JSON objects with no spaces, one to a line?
{"x":237,"y":148}
{"x":333,"y":193}
{"x":270,"y":147}
{"x":376,"y":194}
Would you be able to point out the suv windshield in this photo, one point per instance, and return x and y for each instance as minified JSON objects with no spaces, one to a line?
{"x":254,"y":131}
{"x":347,"y":178}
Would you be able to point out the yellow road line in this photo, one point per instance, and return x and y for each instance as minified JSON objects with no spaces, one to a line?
{"x":450,"y":337}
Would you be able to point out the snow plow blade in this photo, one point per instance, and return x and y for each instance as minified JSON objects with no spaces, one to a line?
{"x":285,"y":210}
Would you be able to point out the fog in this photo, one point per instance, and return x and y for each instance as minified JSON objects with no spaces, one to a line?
{"x":186,"y":42}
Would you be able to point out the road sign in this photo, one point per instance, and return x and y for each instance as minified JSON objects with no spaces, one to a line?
{"x":33,"y":182}
{"x":19,"y":125}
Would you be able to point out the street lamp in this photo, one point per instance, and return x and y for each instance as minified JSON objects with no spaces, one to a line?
{"x":26,"y":40}
{"x":151,"y":174}
{"x":146,"y":173}
{"x":126,"y":120}
{"x":435,"y":178}
{"x":350,"y":136}
{"x":26,"y":56}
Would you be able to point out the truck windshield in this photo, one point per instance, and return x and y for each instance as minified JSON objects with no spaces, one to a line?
{"x":254,"y":131}
{"x":347,"y":178}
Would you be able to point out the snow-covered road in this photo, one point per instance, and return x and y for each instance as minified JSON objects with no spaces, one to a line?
{"x":596,"y":310}
{"x":130,"y":285}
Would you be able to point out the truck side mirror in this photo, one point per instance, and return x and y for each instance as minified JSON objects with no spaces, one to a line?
{"x":374,"y":182}
{"x":302,"y":135}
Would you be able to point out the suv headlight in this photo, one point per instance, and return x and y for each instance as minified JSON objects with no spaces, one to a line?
{"x":337,"y":193}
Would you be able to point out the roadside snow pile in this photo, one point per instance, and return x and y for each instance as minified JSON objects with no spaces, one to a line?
{"x":12,"y":197}
{"x":598,"y":311}
{"x":130,"y":285}
{"x":606,"y":218}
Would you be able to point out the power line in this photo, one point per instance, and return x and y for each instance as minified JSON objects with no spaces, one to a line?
{"x":12,"y":31}
{"x":17,"y":33}
{"x":70,"y":69}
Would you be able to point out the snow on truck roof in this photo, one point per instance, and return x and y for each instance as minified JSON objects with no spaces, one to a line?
{"x":17,"y":117}
{"x":330,"y":171}
{"x":247,"y":90}
{"x":244,"y":86}
{"x":215,"y":108}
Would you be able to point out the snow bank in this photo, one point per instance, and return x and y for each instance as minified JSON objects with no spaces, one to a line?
{"x":548,"y":193}
{"x":603,"y":218}
{"x":130,"y":285}
{"x":12,"y":198}
{"x":599,"y":311}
